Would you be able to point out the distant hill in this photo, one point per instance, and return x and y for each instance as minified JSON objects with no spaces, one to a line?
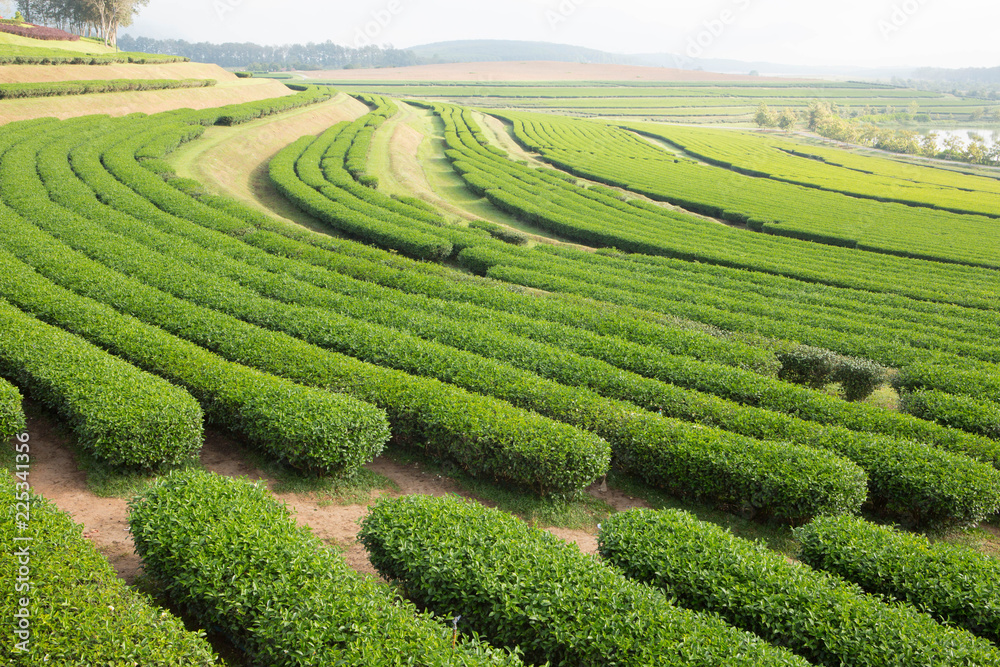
{"x":496,"y":50}
{"x":965,"y":76}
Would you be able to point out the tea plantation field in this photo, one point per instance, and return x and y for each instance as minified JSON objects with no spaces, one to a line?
{"x":749,"y":327}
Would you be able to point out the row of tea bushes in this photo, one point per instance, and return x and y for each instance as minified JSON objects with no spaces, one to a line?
{"x":955,"y":584}
{"x":78,"y":611}
{"x":228,"y":552}
{"x":521,"y":586}
{"x":820,"y":617}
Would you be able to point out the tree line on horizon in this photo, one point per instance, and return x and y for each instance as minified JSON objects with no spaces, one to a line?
{"x":262,"y":58}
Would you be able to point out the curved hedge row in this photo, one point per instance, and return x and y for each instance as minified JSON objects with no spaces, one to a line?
{"x":230,"y":554}
{"x":930,"y":486}
{"x":521,"y":586}
{"x":961,"y":412}
{"x":488,"y":437}
{"x":423,"y":279}
{"x":734,"y":305}
{"x":410,"y":242}
{"x":934,"y":486}
{"x":818,"y":616}
{"x":81,"y":613}
{"x":54,"y":88}
{"x":310,"y":429}
{"x":534,"y":194}
{"x":123,"y":415}
{"x":981,"y":384}
{"x":12,"y":419}
{"x":955,"y":584}
{"x":688,"y":459}
{"x":778,"y":207}
{"x":533,"y":463}
{"x":335,"y":165}
{"x":894,"y":424}
{"x":235,"y":114}
{"x":476,"y":303}
{"x":30,"y":55}
{"x":501,"y":233}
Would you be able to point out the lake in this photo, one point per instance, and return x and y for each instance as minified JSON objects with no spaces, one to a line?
{"x":963,"y":134}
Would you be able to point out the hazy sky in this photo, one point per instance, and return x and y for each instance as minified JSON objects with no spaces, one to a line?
{"x":954,"y":33}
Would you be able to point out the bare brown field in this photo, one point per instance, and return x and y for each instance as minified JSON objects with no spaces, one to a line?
{"x":528,"y":71}
{"x":149,"y":101}
{"x":32,"y":73}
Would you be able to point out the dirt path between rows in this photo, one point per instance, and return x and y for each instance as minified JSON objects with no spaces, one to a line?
{"x":56,"y":475}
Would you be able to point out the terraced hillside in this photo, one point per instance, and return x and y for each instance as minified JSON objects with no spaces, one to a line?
{"x":611,"y":340}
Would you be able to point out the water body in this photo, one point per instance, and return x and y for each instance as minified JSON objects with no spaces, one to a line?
{"x":964,"y":135}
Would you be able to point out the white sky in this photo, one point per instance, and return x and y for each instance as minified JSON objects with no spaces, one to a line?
{"x":942,"y":33}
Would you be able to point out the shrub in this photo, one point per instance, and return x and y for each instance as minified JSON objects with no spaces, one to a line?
{"x":804,"y":364}
{"x":962,"y":412}
{"x":816,"y":367}
{"x":858,"y":377}
{"x":228,"y":552}
{"x":80,"y":612}
{"x":12,"y":419}
{"x":123,"y":415}
{"x":956,"y":585}
{"x":521,"y":586}
{"x":819,"y":616}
